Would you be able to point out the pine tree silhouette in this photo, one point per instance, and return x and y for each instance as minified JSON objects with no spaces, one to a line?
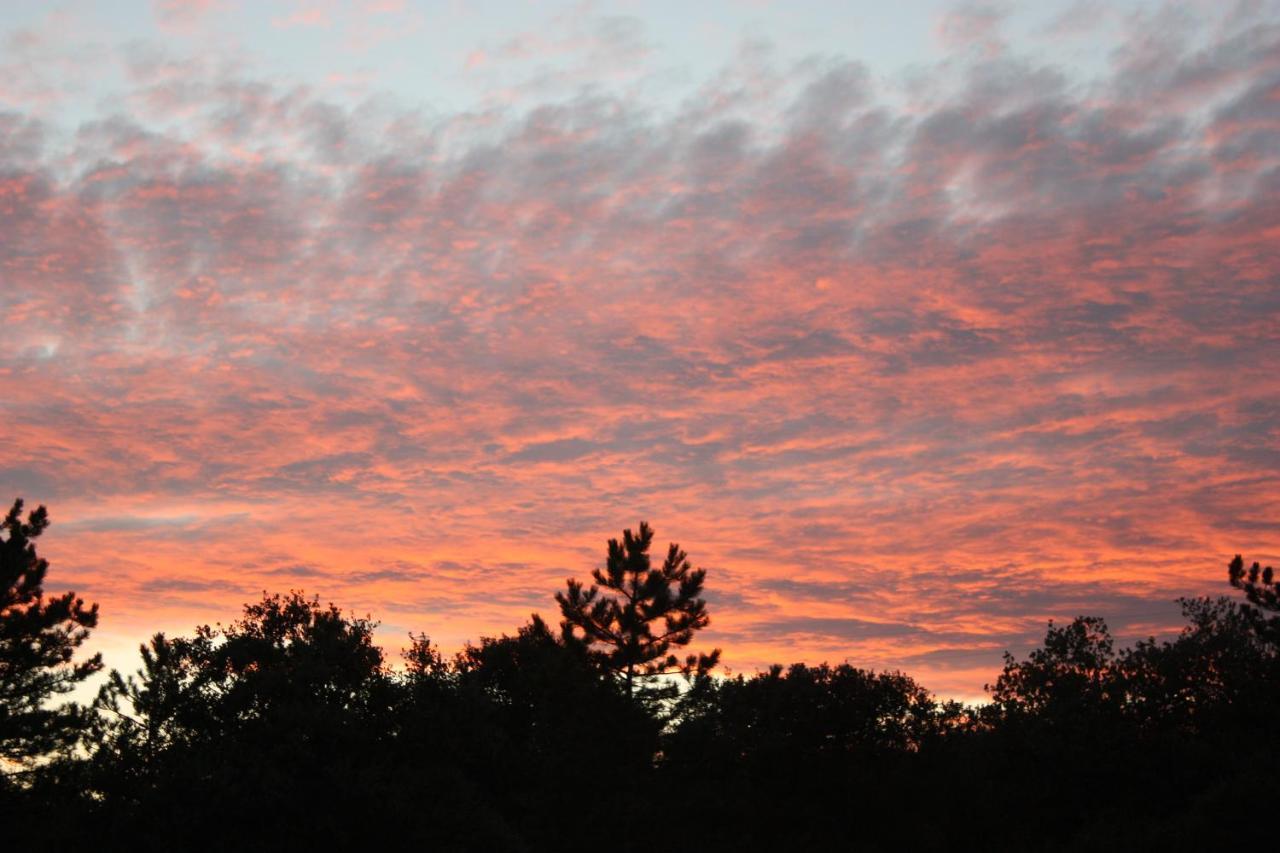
{"x":1258,"y":584}
{"x":38,"y":638}
{"x":634,"y":615}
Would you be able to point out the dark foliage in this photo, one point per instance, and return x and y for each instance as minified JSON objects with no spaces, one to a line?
{"x":1260,"y":585}
{"x":634,"y":614}
{"x":39,"y":636}
{"x":285,"y":730}
{"x":279,"y":718}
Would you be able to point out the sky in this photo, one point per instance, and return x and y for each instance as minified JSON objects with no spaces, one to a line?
{"x":917,"y":327}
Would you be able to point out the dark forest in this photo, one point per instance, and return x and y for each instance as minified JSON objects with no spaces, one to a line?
{"x":288,"y":728}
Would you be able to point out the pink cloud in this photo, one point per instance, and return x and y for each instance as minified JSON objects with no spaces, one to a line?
{"x":972,"y":26}
{"x":305,"y":14}
{"x":183,"y":15}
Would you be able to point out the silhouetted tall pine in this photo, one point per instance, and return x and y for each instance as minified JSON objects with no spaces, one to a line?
{"x":38,"y":640}
{"x":634,"y":615}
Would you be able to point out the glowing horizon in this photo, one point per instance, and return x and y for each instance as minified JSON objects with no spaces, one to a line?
{"x":913,"y":344}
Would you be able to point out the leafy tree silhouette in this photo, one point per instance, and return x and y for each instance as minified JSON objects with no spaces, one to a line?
{"x":1219,"y":674}
{"x":803,"y":711}
{"x":38,"y":640}
{"x":550,"y":717}
{"x":634,"y":615}
{"x":807,"y":757}
{"x":280,"y":718}
{"x":288,"y":659}
{"x":1071,"y":678}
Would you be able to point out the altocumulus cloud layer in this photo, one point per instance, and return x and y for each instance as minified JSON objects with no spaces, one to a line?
{"x":910,"y":367}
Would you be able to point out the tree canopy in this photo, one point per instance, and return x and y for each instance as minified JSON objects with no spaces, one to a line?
{"x":287,"y":729}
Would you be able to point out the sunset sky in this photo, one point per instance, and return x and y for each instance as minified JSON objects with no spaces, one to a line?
{"x":916,"y":324}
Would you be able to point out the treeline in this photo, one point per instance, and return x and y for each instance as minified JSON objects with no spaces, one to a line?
{"x":289,"y":729}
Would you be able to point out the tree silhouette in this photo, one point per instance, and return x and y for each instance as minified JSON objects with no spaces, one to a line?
{"x":38,"y":639}
{"x":285,"y":730}
{"x":1216,"y":675}
{"x":806,"y":710}
{"x":1259,"y":584}
{"x":1262,"y":590}
{"x":283,"y":715}
{"x":549,"y":716}
{"x":288,"y":659}
{"x":1067,"y":681}
{"x":634,"y":614}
